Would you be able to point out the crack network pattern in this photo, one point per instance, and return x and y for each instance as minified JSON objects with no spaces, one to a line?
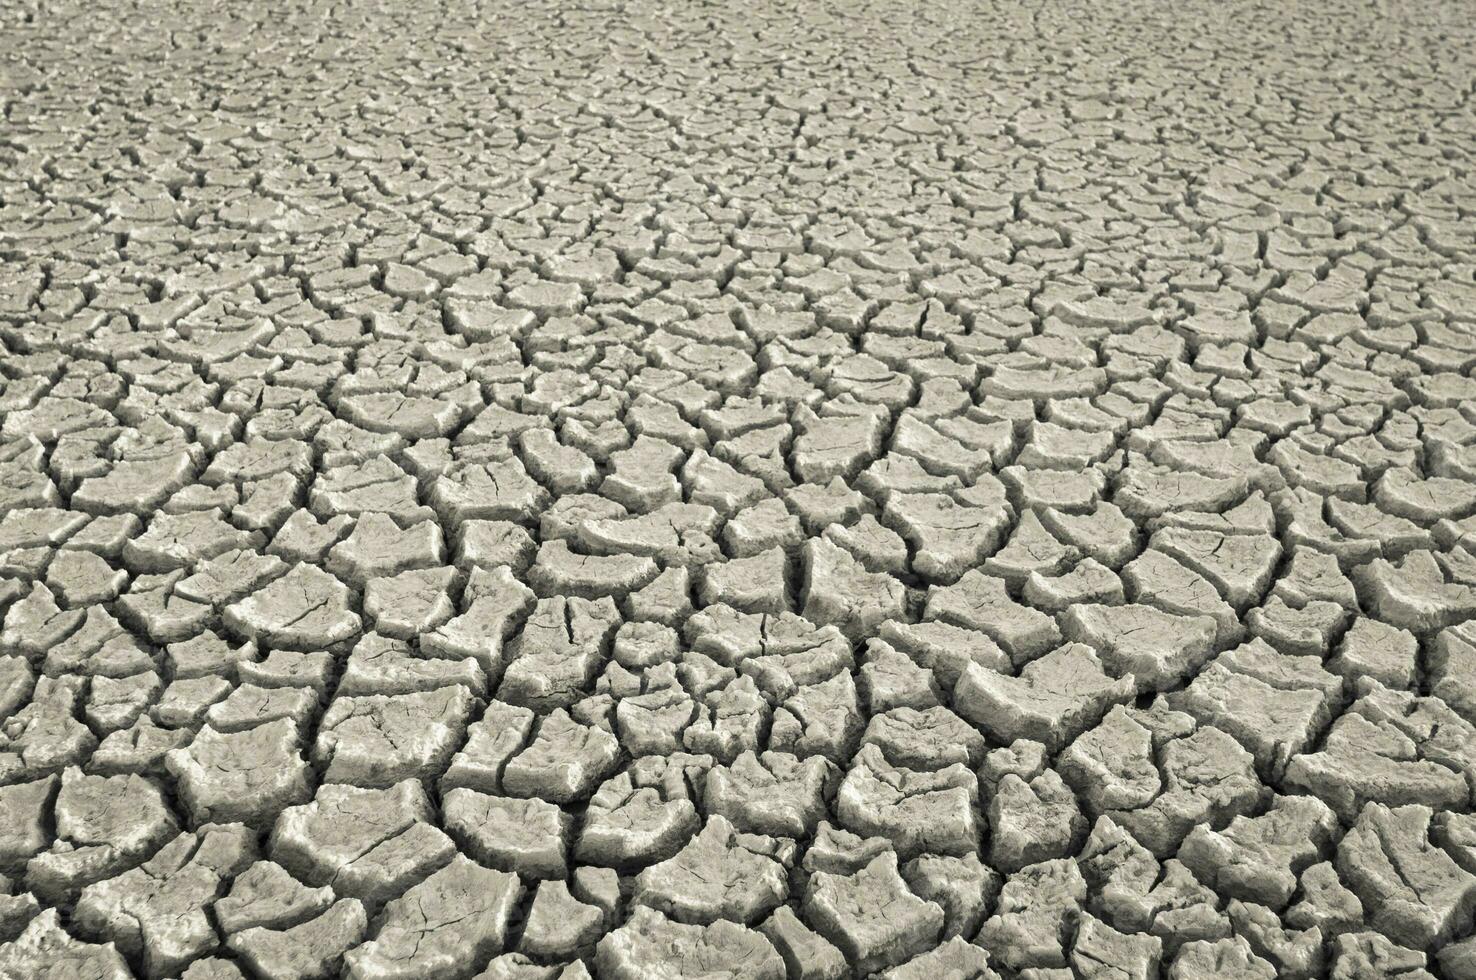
{"x":768,"y":490}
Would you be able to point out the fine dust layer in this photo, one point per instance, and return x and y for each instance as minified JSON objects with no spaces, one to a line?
{"x":779,"y":491}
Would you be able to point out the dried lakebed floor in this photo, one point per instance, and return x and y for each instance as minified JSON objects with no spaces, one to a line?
{"x":790,"y":491}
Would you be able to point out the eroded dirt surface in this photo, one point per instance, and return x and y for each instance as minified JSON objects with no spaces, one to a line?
{"x":761,"y":490}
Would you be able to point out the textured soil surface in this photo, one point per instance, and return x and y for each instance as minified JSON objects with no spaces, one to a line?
{"x":765,"y":491}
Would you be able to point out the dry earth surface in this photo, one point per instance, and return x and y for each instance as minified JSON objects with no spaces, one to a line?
{"x":764,"y":490}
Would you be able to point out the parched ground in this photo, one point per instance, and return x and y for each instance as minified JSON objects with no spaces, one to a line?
{"x":763,"y":490}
